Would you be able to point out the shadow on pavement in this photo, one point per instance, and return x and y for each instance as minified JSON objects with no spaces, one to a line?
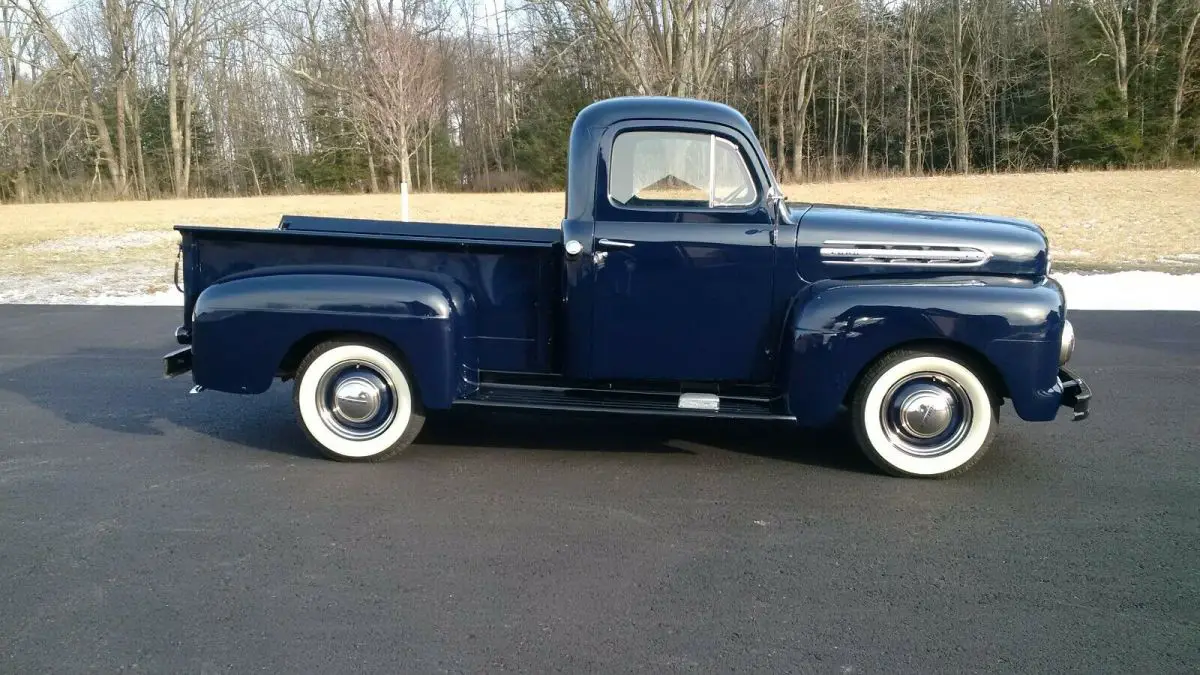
{"x":121,"y":390}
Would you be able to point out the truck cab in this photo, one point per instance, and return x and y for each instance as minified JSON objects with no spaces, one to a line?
{"x":672,"y":225}
{"x":680,"y":282}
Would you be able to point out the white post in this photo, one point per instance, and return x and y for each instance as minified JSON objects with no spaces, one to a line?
{"x":404,"y":201}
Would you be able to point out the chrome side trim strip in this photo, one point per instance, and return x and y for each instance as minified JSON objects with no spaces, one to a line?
{"x":898,"y":244}
{"x":902,"y":253}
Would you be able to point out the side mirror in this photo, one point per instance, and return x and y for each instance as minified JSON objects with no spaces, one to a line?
{"x":774,"y":195}
{"x":778,"y":203}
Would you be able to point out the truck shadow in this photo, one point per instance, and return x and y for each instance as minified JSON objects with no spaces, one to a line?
{"x":121,"y":390}
{"x":831,"y":447}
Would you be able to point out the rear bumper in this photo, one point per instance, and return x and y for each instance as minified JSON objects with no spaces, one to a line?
{"x":177,"y":362}
{"x":1076,"y":395}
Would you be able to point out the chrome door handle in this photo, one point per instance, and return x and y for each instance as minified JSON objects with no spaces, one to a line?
{"x":615,"y":244}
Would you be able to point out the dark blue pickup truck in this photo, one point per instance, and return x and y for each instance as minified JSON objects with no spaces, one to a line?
{"x":679,"y":283}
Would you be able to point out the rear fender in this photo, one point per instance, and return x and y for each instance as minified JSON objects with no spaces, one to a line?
{"x":837,"y":328}
{"x":245,"y":325}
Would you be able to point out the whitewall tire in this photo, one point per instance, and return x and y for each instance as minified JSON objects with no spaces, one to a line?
{"x":923,"y":414}
{"x":356,"y":401}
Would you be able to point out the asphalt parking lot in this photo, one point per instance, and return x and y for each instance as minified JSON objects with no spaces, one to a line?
{"x":145,"y":530}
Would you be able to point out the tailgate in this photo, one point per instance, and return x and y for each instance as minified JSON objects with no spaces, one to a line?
{"x":187,"y":282}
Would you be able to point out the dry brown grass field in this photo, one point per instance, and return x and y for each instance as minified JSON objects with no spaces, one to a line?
{"x":1095,"y":220}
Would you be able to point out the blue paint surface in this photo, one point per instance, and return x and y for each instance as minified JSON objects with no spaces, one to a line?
{"x":733,"y":299}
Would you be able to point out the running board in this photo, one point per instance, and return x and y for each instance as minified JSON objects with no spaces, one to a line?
{"x":624,"y":402}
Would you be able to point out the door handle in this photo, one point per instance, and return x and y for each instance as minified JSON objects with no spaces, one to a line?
{"x":615,"y":244}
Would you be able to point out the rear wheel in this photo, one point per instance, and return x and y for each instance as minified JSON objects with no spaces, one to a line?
{"x":356,"y":402}
{"x":925,"y":414}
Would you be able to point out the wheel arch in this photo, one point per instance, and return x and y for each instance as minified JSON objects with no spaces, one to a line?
{"x":290,"y":363}
{"x":973,"y":358}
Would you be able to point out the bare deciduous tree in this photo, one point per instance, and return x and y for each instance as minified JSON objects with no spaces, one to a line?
{"x":400,"y":87}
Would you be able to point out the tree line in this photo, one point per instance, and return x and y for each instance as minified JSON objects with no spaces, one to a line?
{"x":149,"y":98}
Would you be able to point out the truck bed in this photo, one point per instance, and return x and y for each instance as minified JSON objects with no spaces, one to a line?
{"x":510,"y":271}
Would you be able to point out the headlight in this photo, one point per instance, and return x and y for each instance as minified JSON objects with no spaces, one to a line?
{"x":1067,"y":346}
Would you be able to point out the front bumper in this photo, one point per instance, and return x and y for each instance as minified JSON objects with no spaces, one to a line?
{"x":177,"y":362}
{"x":1076,"y":395}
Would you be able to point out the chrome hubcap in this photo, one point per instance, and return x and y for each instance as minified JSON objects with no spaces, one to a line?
{"x":357,"y":398}
{"x":356,"y":401}
{"x":926,"y":414}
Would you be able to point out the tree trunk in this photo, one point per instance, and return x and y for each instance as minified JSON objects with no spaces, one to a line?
{"x":1185,"y":58}
{"x":405,"y":167}
{"x":187,"y":138}
{"x":962,"y":149}
{"x":837,"y":118}
{"x":781,"y":139}
{"x":429,"y":160}
{"x":115,"y":20}
{"x":799,"y":124}
{"x":1110,"y":17}
{"x":865,"y":158}
{"x":910,"y":24}
{"x":139,"y":155}
{"x":107,"y":155}
{"x":1054,"y":130}
{"x":371,"y":170}
{"x":122,"y":143}
{"x":177,"y":183}
{"x":254,"y":176}
{"x":922,"y":135}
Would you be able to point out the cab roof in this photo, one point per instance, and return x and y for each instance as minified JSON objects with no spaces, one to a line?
{"x":584,"y":155}
{"x":609,"y":111}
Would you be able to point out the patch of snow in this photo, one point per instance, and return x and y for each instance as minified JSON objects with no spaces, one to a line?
{"x":118,"y":284}
{"x":171,"y":298}
{"x":1132,"y":290}
{"x":109,"y":242}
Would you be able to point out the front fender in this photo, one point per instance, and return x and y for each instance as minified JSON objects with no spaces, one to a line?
{"x":836,"y":328}
{"x":244,"y":325}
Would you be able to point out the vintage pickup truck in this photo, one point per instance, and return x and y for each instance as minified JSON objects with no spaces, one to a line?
{"x":680,"y":282}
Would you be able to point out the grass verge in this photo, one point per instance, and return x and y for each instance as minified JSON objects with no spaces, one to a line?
{"x":1096,"y":221}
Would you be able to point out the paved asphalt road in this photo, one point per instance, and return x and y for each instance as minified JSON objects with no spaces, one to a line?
{"x":145,"y":530}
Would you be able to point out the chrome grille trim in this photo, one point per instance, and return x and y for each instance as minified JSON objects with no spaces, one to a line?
{"x":902,"y":253}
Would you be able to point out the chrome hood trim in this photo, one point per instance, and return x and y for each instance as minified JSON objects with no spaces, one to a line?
{"x":851,"y":252}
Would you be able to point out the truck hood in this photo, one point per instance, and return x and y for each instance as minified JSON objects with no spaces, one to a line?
{"x":845,"y":241}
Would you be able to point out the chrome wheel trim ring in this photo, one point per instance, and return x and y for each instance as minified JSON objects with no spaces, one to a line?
{"x":356,"y":400}
{"x":926,"y":414}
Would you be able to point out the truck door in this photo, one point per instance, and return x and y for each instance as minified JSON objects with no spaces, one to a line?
{"x":683,"y":257}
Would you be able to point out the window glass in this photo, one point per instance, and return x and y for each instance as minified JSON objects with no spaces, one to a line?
{"x":678,"y":168}
{"x":732,"y":184}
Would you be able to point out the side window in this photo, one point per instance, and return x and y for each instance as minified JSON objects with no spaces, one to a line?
{"x":672,"y":168}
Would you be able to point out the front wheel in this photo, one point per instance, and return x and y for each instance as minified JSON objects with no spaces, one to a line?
{"x":923,"y":414}
{"x":356,"y":402}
